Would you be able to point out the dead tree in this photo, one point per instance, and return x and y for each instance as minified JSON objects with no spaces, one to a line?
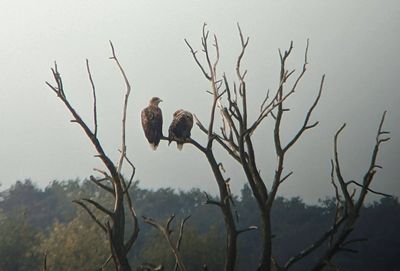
{"x":235,"y":137}
{"x":349,"y":202}
{"x":112,"y":180}
{"x":166,"y":232}
{"x":225,"y":197}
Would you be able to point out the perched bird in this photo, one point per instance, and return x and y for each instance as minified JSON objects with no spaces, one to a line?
{"x":179,"y":130}
{"x":152,"y":122}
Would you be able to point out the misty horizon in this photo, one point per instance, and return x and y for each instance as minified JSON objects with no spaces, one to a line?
{"x":354,"y":46}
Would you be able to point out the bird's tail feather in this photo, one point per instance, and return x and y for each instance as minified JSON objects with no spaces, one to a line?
{"x":179,"y":145}
{"x":153,"y":146}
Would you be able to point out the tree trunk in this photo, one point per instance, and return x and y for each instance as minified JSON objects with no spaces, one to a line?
{"x":231,"y":233}
{"x":265,"y":261}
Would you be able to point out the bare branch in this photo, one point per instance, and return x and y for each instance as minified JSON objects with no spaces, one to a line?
{"x":216,"y":58}
{"x":355,"y":241}
{"x":240,"y":75}
{"x":45,"y":261}
{"x":178,"y":242}
{"x":114,"y":254}
{"x":94,"y":97}
{"x":95,"y":219}
{"x":232,"y":152}
{"x":125,"y":108}
{"x":166,"y":231}
{"x":211,"y":201}
{"x":250,"y":228}
{"x":306,"y":126}
{"x":315,"y":245}
{"x":100,"y":207}
{"x":197,"y":60}
{"x":264,"y":101}
{"x":280,"y":97}
{"x":103,"y":266}
{"x":244,"y":44}
{"x":333,"y":182}
{"x":200,"y":125}
{"x":132,"y":238}
{"x":150,"y":267}
{"x":369,"y":189}
{"x":60,"y":93}
{"x":372,"y":167}
{"x":135,"y":232}
{"x":304,"y":66}
{"x":190,"y":141}
{"x":116,"y":232}
{"x":268,"y":109}
{"x":352,"y":208}
{"x":342,"y":183}
{"x":98,"y":183}
{"x":286,"y":177}
{"x":132,"y":167}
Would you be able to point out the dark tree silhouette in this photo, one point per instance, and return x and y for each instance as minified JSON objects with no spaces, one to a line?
{"x":112,"y":181}
{"x":235,"y":136}
{"x":231,"y":127}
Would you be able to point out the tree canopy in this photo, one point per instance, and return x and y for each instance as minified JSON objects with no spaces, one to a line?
{"x":31,"y":224}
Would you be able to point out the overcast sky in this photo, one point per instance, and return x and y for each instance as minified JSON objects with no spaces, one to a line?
{"x":355,"y":43}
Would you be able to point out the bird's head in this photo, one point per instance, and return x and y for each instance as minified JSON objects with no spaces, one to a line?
{"x":155,"y":101}
{"x":177,"y":112}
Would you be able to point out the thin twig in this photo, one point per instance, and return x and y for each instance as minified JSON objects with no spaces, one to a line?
{"x":166,"y":231}
{"x":105,"y":187}
{"x":250,"y":228}
{"x":125,"y":108}
{"x":94,"y":97}
{"x":95,"y":219}
{"x":369,"y":189}
{"x":100,"y":207}
{"x":306,"y":126}
{"x":178,"y":242}
{"x":45,"y":261}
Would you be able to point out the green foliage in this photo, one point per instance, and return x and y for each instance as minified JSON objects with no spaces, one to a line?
{"x":34,"y":221}
{"x":41,"y":207}
{"x":77,"y":245}
{"x":17,"y":242}
{"x":196,"y":249}
{"x":203,"y":249}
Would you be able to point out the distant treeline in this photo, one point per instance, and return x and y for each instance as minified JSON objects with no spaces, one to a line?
{"x":34,"y":222}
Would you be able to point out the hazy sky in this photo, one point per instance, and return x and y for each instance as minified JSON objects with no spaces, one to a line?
{"x":355,"y":43}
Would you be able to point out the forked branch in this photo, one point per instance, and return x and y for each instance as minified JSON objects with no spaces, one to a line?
{"x":166,"y":232}
{"x":347,"y":208}
{"x":116,"y":229}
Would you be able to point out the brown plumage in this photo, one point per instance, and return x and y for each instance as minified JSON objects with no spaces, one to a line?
{"x":152,"y":122}
{"x":179,"y":130}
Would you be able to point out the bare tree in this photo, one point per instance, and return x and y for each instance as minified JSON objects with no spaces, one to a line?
{"x":235,"y":135}
{"x":112,"y":179}
{"x":166,"y":232}
{"x":225,"y":197}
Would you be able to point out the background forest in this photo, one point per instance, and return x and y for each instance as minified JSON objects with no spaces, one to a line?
{"x":35,"y":221}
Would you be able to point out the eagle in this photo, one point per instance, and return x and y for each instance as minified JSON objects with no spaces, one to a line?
{"x":179,"y":130}
{"x":152,"y":122}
